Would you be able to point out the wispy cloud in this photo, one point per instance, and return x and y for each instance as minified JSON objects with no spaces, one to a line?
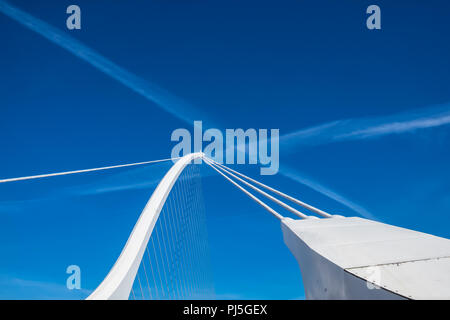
{"x":300,"y":178}
{"x":396,"y":127}
{"x":368,"y":128}
{"x":17,"y":288}
{"x":357,"y":129}
{"x":148,"y":90}
{"x":122,"y":187}
{"x":137,"y":178}
{"x":228,"y":296}
{"x":130,"y":179}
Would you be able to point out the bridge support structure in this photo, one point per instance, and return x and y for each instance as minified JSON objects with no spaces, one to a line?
{"x":356,"y":258}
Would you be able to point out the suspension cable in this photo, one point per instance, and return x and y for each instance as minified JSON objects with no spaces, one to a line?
{"x":257,"y":200}
{"x":83,"y":171}
{"x":301,"y":203}
{"x":281,"y":203}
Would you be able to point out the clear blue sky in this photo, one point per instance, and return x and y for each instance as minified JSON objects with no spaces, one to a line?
{"x":383,"y":96}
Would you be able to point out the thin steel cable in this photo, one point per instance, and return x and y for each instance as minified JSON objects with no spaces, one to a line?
{"x":202,"y":241}
{"x":301,"y":203}
{"x":161,"y":257}
{"x":192,"y":239}
{"x":157,"y":266}
{"x":191,"y":242}
{"x":168,"y":252}
{"x":210,"y":277}
{"x":265,"y":194}
{"x":206,"y":261}
{"x":199,"y":266}
{"x":146,"y":278}
{"x":174,"y":238}
{"x":180,"y":242}
{"x":199,"y":271}
{"x":153,"y":273}
{"x":195,"y":239}
{"x":196,"y":252}
{"x":191,"y":245}
{"x":186,"y":238}
{"x":163,"y":246}
{"x":82,"y":171}
{"x":140,"y":285}
{"x":256,"y":199}
{"x":204,"y":229}
{"x":170,"y":288}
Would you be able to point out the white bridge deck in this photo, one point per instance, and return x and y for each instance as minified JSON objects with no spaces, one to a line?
{"x":338,"y":255}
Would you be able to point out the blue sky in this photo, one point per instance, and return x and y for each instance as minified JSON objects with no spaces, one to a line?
{"x":363,"y":114}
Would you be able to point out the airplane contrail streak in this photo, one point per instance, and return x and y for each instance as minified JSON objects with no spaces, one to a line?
{"x":368,"y":128}
{"x":296,"y":176}
{"x":148,"y":90}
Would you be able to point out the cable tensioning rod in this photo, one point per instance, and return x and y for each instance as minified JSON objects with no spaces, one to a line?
{"x":257,"y":200}
{"x":281,"y":203}
{"x":83,"y":171}
{"x":301,"y":203}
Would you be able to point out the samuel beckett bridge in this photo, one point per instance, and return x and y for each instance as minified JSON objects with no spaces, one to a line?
{"x":167,"y":255}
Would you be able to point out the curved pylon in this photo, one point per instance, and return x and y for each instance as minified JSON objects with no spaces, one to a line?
{"x":119,"y":281}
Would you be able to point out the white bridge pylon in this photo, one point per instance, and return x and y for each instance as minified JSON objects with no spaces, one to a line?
{"x":119,"y":281}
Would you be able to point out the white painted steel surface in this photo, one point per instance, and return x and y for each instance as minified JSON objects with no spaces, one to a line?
{"x":337,"y":256}
{"x":117,"y":284}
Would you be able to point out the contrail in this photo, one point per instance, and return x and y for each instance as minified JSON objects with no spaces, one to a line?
{"x":359,"y":129}
{"x":295,"y":176}
{"x":340,"y":130}
{"x":82,"y":171}
{"x":148,"y":90}
{"x":368,"y":128}
{"x":396,"y":127}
